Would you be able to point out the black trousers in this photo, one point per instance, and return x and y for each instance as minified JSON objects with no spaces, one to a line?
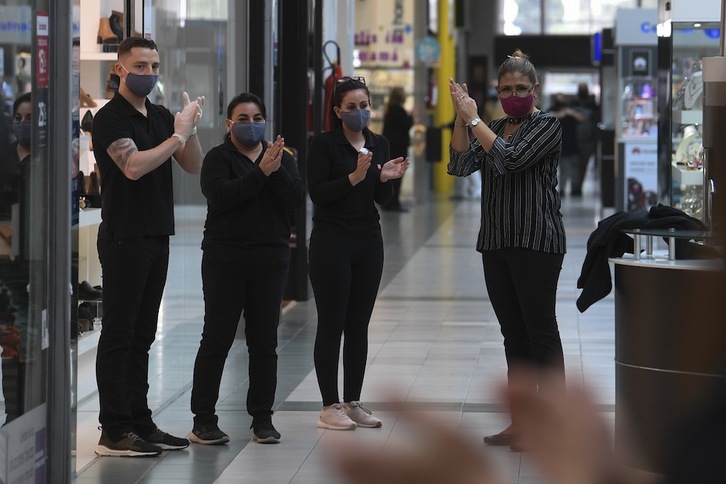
{"x":522,"y":287}
{"x":134,"y":274}
{"x":229,"y":288}
{"x":345,"y":273}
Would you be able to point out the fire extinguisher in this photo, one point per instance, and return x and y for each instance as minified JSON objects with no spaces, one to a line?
{"x":433,"y":91}
{"x":329,"y":86}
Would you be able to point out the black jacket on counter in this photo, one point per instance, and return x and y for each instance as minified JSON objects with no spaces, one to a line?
{"x":608,"y":240}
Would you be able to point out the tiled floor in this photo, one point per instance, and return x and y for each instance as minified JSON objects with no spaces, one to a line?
{"x":433,"y":339}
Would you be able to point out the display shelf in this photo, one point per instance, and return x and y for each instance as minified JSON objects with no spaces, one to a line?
{"x":685,"y":177}
{"x":89,"y":216}
{"x":89,"y":340}
{"x":638,"y":107}
{"x":689,"y":42}
{"x":690,"y":116}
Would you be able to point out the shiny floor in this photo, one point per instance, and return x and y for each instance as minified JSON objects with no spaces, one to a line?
{"x":433,"y":339}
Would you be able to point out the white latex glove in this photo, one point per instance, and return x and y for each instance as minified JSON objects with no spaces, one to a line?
{"x":185,"y":121}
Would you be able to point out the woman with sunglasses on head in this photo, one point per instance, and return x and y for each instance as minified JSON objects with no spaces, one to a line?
{"x":250,"y":186}
{"x":521,"y":238}
{"x":347,"y":173}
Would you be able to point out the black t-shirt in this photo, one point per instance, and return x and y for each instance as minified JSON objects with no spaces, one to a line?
{"x":340,"y":207}
{"x":133,"y":208}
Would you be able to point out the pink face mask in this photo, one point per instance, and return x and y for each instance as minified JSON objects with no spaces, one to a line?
{"x":517,"y":106}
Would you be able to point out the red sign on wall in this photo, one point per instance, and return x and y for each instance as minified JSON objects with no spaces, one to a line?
{"x":42,"y":61}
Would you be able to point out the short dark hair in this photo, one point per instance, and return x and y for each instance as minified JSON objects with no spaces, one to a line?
{"x":246,"y":97}
{"x":24,"y":98}
{"x":130,"y":42}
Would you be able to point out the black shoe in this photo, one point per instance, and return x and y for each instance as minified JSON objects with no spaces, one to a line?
{"x":208,"y":435}
{"x":87,"y":122}
{"x":130,"y":445}
{"x":500,"y":439}
{"x":166,"y":441}
{"x":86,"y":292}
{"x":263,"y":432}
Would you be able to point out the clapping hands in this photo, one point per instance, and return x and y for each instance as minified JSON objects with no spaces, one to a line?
{"x":185,"y":122}
{"x":394,"y":168}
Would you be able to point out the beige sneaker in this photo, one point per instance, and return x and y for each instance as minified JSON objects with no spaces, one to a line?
{"x":333,"y":417}
{"x":361,"y":415}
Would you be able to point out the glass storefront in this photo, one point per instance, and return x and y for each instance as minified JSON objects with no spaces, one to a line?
{"x":33,"y":324}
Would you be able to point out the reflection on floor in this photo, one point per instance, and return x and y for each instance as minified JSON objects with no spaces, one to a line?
{"x":433,"y":339}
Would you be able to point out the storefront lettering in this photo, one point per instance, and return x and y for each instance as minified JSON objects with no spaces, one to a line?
{"x":11,"y":26}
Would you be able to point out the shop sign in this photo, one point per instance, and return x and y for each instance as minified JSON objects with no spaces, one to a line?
{"x":636,"y":26}
{"x":22,"y":448}
{"x":384,"y":33}
{"x":641,"y":175}
{"x":42,"y":78}
{"x":428,"y":50}
{"x":15,"y":26}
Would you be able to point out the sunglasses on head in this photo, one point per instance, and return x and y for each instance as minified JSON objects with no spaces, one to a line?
{"x":360,"y":79}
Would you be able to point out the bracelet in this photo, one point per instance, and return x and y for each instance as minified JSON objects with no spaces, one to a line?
{"x":460,"y":125}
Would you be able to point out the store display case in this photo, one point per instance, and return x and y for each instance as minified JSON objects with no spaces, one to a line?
{"x":639,"y":107}
{"x":688,"y":43}
{"x":636,"y":130}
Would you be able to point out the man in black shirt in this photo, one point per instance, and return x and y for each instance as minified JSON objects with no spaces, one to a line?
{"x":134,"y":142}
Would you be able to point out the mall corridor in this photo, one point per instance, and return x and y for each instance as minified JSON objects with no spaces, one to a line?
{"x":433,"y":339}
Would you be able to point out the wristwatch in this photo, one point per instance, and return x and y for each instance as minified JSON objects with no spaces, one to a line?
{"x":474,"y":122}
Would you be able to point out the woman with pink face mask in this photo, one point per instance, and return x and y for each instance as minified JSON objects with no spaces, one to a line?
{"x":521,"y":238}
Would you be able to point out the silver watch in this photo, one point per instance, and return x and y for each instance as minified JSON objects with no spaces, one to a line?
{"x":474,"y":122}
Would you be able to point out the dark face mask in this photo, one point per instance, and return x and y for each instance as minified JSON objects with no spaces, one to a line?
{"x":356,"y":119}
{"x":22,"y":133}
{"x":248,"y":134}
{"x":140,"y":84}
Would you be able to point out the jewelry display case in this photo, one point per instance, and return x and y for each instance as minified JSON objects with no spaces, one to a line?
{"x":682,"y":45}
{"x":690,"y":42}
{"x":636,"y":130}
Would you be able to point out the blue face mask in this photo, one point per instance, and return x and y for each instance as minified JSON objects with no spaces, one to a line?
{"x":356,"y":119}
{"x":248,"y":134}
{"x":22,"y":133}
{"x":140,"y":84}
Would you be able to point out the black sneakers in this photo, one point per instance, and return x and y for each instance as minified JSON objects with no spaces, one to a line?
{"x":263,"y":432}
{"x":166,"y":441}
{"x":131,"y":445}
{"x":208,"y":435}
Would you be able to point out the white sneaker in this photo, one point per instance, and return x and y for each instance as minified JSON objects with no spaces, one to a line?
{"x":361,"y":415}
{"x":333,"y":417}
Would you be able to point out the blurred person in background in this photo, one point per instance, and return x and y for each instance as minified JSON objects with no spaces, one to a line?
{"x":397,"y":124}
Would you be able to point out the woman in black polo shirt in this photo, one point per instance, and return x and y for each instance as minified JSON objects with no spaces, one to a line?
{"x":347,"y":171}
{"x":250,"y":186}
{"x":522,"y":238}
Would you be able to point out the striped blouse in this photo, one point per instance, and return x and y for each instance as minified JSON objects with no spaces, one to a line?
{"x":520,"y":204}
